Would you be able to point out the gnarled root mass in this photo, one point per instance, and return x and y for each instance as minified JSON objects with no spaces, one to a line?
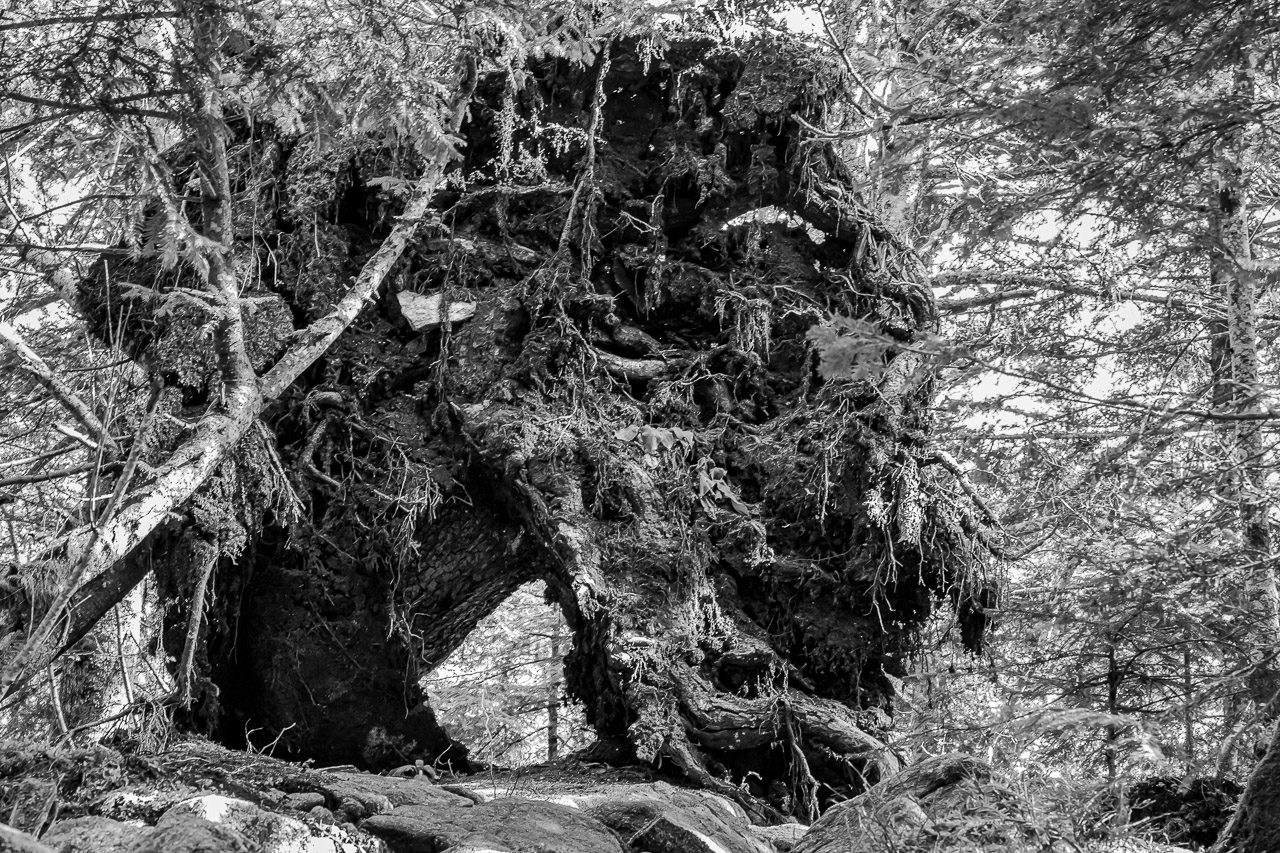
{"x":685,"y":379}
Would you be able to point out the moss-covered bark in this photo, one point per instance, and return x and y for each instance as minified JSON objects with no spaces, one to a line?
{"x":1255,"y":825}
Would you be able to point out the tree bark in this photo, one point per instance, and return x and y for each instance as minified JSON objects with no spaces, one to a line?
{"x":553,"y":697}
{"x":1239,"y":389}
{"x":1255,"y":827}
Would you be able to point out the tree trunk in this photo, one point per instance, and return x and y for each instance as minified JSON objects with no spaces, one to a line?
{"x":553,"y":696}
{"x":1239,"y":391}
{"x":1255,"y":827}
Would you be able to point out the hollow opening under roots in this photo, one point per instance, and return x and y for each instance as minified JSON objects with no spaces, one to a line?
{"x":502,"y":692}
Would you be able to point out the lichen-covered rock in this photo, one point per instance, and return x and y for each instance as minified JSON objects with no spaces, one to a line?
{"x":92,"y":834}
{"x":141,"y":803}
{"x":953,"y":803}
{"x":501,"y":826}
{"x":269,"y":832}
{"x":664,"y":819}
{"x":360,"y":795}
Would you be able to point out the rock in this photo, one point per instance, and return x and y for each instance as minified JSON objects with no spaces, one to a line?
{"x":690,"y":798}
{"x":782,"y":837}
{"x":464,"y":792}
{"x":141,"y":804}
{"x":501,"y":826}
{"x":952,"y":802}
{"x":423,"y":311}
{"x":354,"y":811}
{"x":413,"y":771}
{"x":268,"y":832}
{"x":690,"y":826}
{"x":686,"y":813}
{"x":303,"y":802}
{"x":378,"y":794}
{"x":184,"y":832}
{"x":93,"y":835}
{"x":14,"y":841}
{"x":322,"y":816}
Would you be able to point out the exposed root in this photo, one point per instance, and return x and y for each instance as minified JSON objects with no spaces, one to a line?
{"x":205,"y":557}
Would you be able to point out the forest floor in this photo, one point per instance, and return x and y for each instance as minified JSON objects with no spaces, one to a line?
{"x":195,"y":796}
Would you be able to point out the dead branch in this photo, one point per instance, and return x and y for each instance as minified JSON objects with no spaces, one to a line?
{"x":642,"y":369}
{"x":947,"y":461}
{"x":33,"y":364}
{"x":206,"y":555}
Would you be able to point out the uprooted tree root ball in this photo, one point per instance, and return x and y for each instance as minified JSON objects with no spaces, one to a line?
{"x":601,"y":364}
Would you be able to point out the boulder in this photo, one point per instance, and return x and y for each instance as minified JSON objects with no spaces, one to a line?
{"x":678,"y":825}
{"x":684,"y":798}
{"x":374,"y":794}
{"x":502,"y":826}
{"x":184,"y":832}
{"x":952,"y":802}
{"x":93,"y":835}
{"x":698,"y":819}
{"x":139,"y":804}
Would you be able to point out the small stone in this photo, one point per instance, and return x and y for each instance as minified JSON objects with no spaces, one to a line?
{"x":351,"y":810}
{"x":321,"y":815}
{"x":461,"y":791}
{"x":423,"y":312}
{"x":303,"y":802}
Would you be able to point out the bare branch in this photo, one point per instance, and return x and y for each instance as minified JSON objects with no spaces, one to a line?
{"x":947,"y":461}
{"x":46,"y":476}
{"x":86,"y":19}
{"x":38,"y":368}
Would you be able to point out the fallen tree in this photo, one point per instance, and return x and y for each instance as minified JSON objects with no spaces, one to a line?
{"x":632,"y":406}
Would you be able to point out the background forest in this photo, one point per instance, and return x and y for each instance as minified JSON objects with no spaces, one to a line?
{"x":1088,"y":189}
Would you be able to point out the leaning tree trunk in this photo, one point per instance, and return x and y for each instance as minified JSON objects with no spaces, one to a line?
{"x":1255,"y":825}
{"x":655,"y":352}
